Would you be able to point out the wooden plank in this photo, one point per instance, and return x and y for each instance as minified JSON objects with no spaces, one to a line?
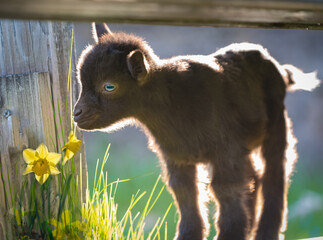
{"x":24,"y":47}
{"x":41,"y":46}
{"x":26,"y":118}
{"x":233,"y":13}
{"x":34,"y":58}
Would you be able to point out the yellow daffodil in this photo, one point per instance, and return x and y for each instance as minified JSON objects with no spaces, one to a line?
{"x":66,"y":229}
{"x":18,"y":215}
{"x":41,"y":162}
{"x":71,"y":147}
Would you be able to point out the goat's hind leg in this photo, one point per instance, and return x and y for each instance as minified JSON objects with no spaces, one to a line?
{"x":273,"y":180}
{"x":229,"y":187}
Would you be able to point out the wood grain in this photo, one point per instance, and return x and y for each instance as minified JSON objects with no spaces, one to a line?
{"x":231,"y":13}
{"x":22,"y":126}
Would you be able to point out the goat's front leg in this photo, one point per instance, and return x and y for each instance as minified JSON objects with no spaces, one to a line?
{"x":182,"y":182}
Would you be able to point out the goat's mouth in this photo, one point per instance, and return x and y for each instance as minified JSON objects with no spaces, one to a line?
{"x":87,"y":123}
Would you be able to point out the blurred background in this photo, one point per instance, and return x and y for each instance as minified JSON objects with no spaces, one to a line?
{"x":130,"y":157}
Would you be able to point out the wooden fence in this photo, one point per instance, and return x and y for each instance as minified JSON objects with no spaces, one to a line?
{"x":34,"y":59}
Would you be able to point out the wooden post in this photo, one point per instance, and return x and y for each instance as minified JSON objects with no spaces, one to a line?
{"x":34,"y":58}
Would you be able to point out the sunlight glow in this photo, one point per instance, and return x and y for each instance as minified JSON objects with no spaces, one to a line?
{"x":182,"y":62}
{"x":257,"y":162}
{"x":120,"y":125}
{"x":203,"y":181}
{"x":291,"y":153}
{"x":304,"y":81}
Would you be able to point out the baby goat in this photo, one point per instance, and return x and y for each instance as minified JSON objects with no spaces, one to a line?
{"x":215,"y":109}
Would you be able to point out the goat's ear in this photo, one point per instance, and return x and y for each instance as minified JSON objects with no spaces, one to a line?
{"x":100,"y":29}
{"x":138,"y":66}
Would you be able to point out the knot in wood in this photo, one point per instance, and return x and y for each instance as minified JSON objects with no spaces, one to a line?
{"x":7,"y":113}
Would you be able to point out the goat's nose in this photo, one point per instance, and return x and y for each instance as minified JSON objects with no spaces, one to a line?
{"x":77,"y":112}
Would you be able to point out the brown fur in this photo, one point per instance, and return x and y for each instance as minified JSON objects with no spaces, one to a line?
{"x":214,"y":109}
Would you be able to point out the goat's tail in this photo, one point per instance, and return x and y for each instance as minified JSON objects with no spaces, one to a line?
{"x":296,"y":79}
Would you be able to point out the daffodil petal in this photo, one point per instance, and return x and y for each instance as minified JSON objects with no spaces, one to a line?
{"x":28,"y":169}
{"x":53,"y":157}
{"x":66,"y":217}
{"x":38,"y":178}
{"x":54,"y":170}
{"x":29,"y":155}
{"x":42,"y":151}
{"x":60,"y":226}
{"x":75,"y":146}
{"x":54,"y":232}
{"x":79,"y":225}
{"x":53,"y":222}
{"x":74,"y":139}
{"x":17,"y":215}
{"x":71,"y":135}
{"x":73,"y":143}
{"x":45,"y":176}
{"x":68,"y":155}
{"x":41,"y":179}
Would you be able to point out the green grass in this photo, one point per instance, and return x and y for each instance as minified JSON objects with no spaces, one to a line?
{"x":102,"y":214}
{"x":123,"y":164}
{"x":309,"y":224}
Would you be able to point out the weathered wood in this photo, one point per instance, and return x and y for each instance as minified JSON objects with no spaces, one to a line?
{"x":26,"y":121}
{"x":34,"y":59}
{"x":234,"y":13}
{"x":26,"y":111}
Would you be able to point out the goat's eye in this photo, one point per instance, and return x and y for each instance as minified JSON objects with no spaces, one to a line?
{"x":109,"y":87}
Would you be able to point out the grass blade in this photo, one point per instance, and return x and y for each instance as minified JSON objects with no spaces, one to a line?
{"x":162,"y":221}
{"x":63,"y":196}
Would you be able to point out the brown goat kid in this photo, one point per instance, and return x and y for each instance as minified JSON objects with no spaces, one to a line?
{"x":215,"y":109}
